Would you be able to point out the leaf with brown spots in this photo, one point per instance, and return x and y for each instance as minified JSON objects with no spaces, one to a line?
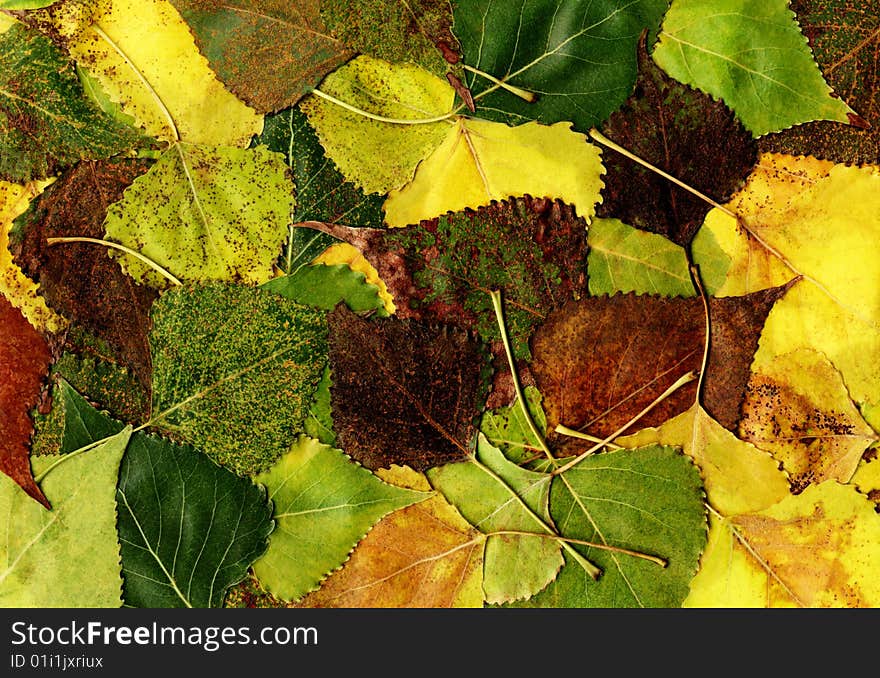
{"x":268,"y":52}
{"x":24,"y":363}
{"x":600,"y":361}
{"x":683,"y":131}
{"x":404,"y":392}
{"x":443,"y":269}
{"x":798,"y":409}
{"x":80,"y":280}
{"x":845,"y":39}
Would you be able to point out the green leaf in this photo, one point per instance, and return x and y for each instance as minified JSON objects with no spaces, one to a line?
{"x":360,"y":146}
{"x":234,"y":370}
{"x":648,"y":500}
{"x":506,"y":428}
{"x":319,"y":423}
{"x":324,"y":505}
{"x":395,"y":31}
{"x":189,"y":529}
{"x":205,"y":213}
{"x":46,"y":123}
{"x":752,"y":55}
{"x":489,"y":491}
{"x":577,"y":56}
{"x":268,"y":52}
{"x":45,"y":554}
{"x":325,"y":286}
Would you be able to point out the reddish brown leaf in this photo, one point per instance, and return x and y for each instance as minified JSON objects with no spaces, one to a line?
{"x":24,"y":364}
{"x":404,"y":392}
{"x":600,"y":361}
{"x":684,"y":132}
{"x":80,"y":280}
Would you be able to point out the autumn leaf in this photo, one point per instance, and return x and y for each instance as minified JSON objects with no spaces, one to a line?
{"x":589,"y":358}
{"x":47,"y":553}
{"x":404,"y":392}
{"x":578,"y":58}
{"x":24,"y":363}
{"x":268,"y":53}
{"x":751,"y":55}
{"x":343,"y":253}
{"x":205,"y":213}
{"x":221,"y":354}
{"x":480,"y":162}
{"x":324,"y":287}
{"x":46,"y":123}
{"x":421,"y":556}
{"x":684,"y":132}
{"x":507,"y":429}
{"x":324,"y":505}
{"x":843,"y":37}
{"x":357,"y":144}
{"x":443,"y":269}
{"x":798,"y":409}
{"x":78,"y":279}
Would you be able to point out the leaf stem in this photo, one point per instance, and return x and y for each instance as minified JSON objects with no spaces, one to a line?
{"x":85,"y":448}
{"x":581,"y":542}
{"x":605,"y":141}
{"x":681,"y":381}
{"x":698,"y":285}
{"x":382,"y":118}
{"x":564,"y":430}
{"x":502,"y":326}
{"x":137,"y":255}
{"x":523,"y":94}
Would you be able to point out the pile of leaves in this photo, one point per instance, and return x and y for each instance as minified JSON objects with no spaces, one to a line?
{"x":534,"y":303}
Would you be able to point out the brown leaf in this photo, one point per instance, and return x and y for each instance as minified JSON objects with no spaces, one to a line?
{"x":600,"y":361}
{"x":686,"y":133}
{"x":404,"y":392}
{"x":24,"y":364}
{"x":80,"y":280}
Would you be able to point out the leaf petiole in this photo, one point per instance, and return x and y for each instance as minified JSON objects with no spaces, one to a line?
{"x":137,"y":255}
{"x":581,"y":542}
{"x":523,"y":94}
{"x":382,"y":118}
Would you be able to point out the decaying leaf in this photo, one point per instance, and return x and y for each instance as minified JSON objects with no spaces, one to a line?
{"x":79,"y":279}
{"x":589,"y":358}
{"x":404,"y":392}
{"x":324,"y":505}
{"x":24,"y":364}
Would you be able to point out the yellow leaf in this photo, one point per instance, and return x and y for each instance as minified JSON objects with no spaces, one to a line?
{"x":815,"y":549}
{"x":6,"y":22}
{"x":798,"y":409}
{"x":141,"y":51}
{"x":480,"y":161}
{"x":823,"y":220}
{"x":380,"y":156}
{"x":343,"y":253}
{"x":425,"y":555}
{"x":21,"y":291}
{"x":738,"y":477}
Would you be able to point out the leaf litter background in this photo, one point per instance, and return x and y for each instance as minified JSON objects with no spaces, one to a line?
{"x":439,"y":304}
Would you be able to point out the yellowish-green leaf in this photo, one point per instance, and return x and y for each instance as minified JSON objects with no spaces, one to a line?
{"x":141,"y":52}
{"x":21,"y":291}
{"x":480,"y":161}
{"x":815,"y":549}
{"x":738,"y":477}
{"x":343,"y":253}
{"x":797,"y":408}
{"x":380,"y":156}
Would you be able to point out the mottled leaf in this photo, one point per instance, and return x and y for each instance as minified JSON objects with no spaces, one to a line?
{"x":844,"y":37}
{"x":404,"y":392}
{"x":507,"y":429}
{"x":223,"y":356}
{"x":600,"y":361}
{"x":577,"y":56}
{"x":205,"y":213}
{"x":396,"y":31}
{"x":686,"y":133}
{"x":443,"y":269}
{"x":324,"y":505}
{"x":268,"y":52}
{"x":24,"y":364}
{"x":751,"y":55}
{"x":421,"y":556}
{"x":510,"y":505}
{"x":46,"y":123}
{"x":79,"y":279}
